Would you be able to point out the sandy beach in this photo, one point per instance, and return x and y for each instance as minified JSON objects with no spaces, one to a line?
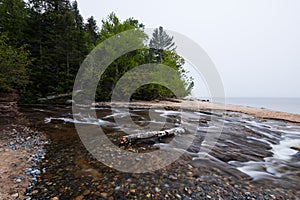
{"x":203,"y":105}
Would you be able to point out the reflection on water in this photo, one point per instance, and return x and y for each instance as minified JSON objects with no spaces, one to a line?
{"x":248,"y":149}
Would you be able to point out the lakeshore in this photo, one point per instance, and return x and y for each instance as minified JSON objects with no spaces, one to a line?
{"x":214,"y":177}
{"x":204,"y":105}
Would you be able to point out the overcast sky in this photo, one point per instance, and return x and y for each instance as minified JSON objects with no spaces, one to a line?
{"x":255,"y":44}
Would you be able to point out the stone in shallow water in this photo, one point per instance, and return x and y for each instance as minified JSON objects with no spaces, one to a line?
{"x":104,"y":194}
{"x":79,"y":197}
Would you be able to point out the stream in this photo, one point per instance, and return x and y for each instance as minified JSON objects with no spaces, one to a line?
{"x":250,"y":155}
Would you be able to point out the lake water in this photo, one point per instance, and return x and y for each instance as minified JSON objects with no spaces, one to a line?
{"x":250,"y":153}
{"x":290,"y":105}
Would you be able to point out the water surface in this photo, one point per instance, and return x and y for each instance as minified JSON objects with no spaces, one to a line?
{"x":249,"y":150}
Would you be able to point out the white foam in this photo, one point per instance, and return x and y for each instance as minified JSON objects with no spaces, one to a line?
{"x":84,"y":121}
{"x":283,"y":150}
{"x":271,"y":166}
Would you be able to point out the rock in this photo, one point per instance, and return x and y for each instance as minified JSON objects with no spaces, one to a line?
{"x":15,"y":195}
{"x":117,"y":188}
{"x":132,"y":191}
{"x":104,"y":194}
{"x":189,"y":174}
{"x":86,"y":192}
{"x":157,"y":189}
{"x":79,"y":197}
{"x":55,"y":198}
{"x":18,"y":180}
{"x":172,"y":177}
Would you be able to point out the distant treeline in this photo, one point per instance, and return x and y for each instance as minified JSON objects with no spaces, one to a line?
{"x":44,"y":42}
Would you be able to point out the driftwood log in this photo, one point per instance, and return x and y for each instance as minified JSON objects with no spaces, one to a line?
{"x":152,"y":134}
{"x":55,"y":97}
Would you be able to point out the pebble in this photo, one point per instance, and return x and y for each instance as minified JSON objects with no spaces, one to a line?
{"x":117,"y":188}
{"x":86,"y":192}
{"x":15,"y":195}
{"x":172,"y":177}
{"x":132,"y":190}
{"x":18,"y":180}
{"x":104,"y":194}
{"x":79,"y":197}
{"x":189,"y":174}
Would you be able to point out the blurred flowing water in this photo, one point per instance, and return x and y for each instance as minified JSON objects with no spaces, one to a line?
{"x":249,"y":149}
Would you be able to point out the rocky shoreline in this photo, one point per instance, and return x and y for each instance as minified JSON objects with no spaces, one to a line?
{"x":21,"y":150}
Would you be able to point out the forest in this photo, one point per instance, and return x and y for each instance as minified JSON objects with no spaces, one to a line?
{"x":44,"y":42}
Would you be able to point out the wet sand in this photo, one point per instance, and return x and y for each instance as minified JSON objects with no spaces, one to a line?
{"x":201,"y":105}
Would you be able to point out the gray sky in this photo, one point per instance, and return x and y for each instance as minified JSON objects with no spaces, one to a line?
{"x":255,"y":44}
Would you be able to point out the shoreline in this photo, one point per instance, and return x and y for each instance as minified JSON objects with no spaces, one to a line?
{"x":21,"y":149}
{"x":197,"y":105}
{"x":15,"y":179}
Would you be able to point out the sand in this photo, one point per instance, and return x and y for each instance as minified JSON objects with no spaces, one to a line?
{"x":201,"y":105}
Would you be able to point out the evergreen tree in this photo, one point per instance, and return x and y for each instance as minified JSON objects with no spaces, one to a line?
{"x":58,"y":44}
{"x":92,"y":31}
{"x":13,"y":63}
{"x":58,"y":41}
{"x":13,"y":20}
{"x":160,"y":41}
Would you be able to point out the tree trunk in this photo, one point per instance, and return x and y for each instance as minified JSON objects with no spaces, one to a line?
{"x":151,"y":134}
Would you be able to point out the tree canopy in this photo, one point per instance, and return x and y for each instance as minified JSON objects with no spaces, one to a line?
{"x":43,"y":44}
{"x":13,"y":63}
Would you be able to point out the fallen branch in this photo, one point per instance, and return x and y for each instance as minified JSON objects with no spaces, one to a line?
{"x":55,"y":97}
{"x":151,"y":134}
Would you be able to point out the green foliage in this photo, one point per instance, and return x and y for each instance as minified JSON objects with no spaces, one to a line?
{"x":59,"y":43}
{"x":13,"y":20}
{"x":111,"y":27}
{"x":91,"y":29}
{"x":159,"y":42}
{"x":54,"y":33}
{"x":13,"y":63}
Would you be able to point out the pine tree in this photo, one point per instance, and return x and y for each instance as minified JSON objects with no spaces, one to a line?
{"x":13,"y":20}
{"x":160,"y":41}
{"x":13,"y":63}
{"x":92,"y":31}
{"x":58,"y":44}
